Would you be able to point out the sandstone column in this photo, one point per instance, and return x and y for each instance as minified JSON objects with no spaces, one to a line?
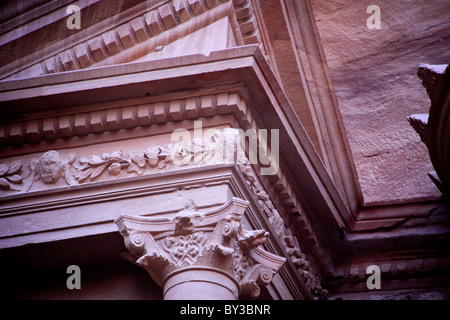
{"x":200,"y":256}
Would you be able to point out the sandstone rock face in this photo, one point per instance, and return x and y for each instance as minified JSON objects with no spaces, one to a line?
{"x":374,"y":74}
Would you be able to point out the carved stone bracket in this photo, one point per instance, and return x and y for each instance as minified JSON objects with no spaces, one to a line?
{"x":211,"y":249}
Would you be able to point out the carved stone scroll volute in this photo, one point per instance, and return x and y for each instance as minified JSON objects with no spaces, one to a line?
{"x":196,"y":254}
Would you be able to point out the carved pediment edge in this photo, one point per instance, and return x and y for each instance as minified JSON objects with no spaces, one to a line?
{"x":143,"y":33}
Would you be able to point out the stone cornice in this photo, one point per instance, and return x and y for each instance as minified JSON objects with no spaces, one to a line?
{"x":243,"y":68}
{"x":248,"y":77}
{"x":230,"y":103}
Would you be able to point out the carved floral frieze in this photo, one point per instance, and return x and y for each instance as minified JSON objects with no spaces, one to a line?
{"x":115,"y":163}
{"x":53,"y":167}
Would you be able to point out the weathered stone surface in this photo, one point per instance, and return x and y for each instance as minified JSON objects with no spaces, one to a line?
{"x":78,"y":148}
{"x":374,"y":74}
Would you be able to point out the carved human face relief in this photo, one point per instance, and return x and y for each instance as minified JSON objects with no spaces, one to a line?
{"x":49,"y":167}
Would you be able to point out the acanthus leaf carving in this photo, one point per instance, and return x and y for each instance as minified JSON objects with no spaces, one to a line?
{"x":185,"y":248}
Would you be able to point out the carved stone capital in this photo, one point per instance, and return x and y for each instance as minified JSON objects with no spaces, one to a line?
{"x":201,"y":255}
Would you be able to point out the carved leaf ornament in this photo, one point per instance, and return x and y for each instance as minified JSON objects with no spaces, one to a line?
{"x":9,"y":177}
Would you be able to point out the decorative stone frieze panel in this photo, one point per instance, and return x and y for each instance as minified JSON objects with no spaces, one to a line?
{"x":53,"y":166}
{"x":210,"y":248}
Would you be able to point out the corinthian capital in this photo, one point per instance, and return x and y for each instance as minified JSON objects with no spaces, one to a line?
{"x":196,"y":254}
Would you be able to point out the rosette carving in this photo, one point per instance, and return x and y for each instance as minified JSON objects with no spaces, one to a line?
{"x":185,"y":248}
